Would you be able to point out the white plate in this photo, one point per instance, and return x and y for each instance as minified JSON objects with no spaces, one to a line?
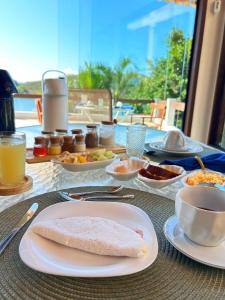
{"x":161,"y":183}
{"x":49,"y":257}
{"x":191,"y":149}
{"x":210,"y":256}
{"x":78,"y":167}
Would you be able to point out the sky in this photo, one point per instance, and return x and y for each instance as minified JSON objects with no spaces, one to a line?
{"x":37,"y":36}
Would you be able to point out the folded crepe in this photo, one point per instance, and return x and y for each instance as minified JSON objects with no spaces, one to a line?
{"x":93,"y":234}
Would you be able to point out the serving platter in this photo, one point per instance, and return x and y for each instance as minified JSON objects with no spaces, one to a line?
{"x":49,"y":257}
{"x":31,"y":159}
{"x":79,"y":167}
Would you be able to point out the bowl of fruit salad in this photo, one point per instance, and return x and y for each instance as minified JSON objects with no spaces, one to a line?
{"x":85,"y":161}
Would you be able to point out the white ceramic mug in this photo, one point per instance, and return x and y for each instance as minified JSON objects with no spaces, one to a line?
{"x":174,"y":140}
{"x":201,"y":214}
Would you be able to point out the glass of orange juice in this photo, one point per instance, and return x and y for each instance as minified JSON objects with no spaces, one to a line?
{"x":12,"y":158}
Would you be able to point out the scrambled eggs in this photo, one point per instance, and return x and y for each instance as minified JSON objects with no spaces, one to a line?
{"x":205,"y":177}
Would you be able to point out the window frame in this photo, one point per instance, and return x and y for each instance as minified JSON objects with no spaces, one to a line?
{"x":218,"y":114}
{"x":194,"y":65}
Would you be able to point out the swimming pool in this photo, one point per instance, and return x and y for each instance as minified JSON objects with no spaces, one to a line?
{"x":120,"y":133}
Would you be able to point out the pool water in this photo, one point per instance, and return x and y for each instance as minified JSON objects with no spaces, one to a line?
{"x":120,"y":133}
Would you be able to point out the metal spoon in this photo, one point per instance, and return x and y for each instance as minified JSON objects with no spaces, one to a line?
{"x":80,"y":198}
{"x":200,"y":163}
{"x":111,"y":190}
{"x":213,"y":185}
{"x":208,"y":184}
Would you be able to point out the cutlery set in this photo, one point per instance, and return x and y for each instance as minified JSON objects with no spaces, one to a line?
{"x":107,"y":194}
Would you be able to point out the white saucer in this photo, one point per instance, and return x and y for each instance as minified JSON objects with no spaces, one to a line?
{"x":191,"y":149}
{"x":210,"y":256}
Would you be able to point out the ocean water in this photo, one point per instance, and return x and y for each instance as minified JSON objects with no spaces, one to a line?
{"x":28,"y":105}
{"x":24,"y":104}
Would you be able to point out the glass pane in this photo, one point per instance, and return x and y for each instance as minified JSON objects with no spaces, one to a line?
{"x":139,"y":49}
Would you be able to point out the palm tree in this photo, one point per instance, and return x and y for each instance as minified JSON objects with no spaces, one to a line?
{"x":123,"y":78}
{"x":119,"y":79}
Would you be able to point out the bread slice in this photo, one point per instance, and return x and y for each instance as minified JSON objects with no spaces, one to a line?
{"x":93,"y":234}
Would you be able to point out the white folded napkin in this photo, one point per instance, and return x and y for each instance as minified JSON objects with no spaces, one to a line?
{"x":93,"y":234}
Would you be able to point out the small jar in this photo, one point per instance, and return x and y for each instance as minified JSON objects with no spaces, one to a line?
{"x":68,"y":144}
{"x":106,"y":135}
{"x":46,"y":135}
{"x":54,"y":146}
{"x":91,"y":138}
{"x":76,"y":131}
{"x":39,"y":146}
{"x":80,"y":145}
{"x":61,"y":133}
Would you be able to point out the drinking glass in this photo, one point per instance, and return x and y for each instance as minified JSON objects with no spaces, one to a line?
{"x":12,"y":158}
{"x":136,"y":140}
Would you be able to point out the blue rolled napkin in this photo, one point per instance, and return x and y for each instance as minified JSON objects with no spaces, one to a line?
{"x":214,"y":162}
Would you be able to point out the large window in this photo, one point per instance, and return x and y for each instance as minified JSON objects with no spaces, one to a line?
{"x":140,"y":49}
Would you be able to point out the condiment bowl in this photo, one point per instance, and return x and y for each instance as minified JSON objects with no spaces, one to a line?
{"x":126,"y":169}
{"x":162,"y":183}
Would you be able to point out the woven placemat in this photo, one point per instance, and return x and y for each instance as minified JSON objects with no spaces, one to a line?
{"x":171,"y":276}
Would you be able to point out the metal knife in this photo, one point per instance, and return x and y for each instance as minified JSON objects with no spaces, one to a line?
{"x":28,"y":215}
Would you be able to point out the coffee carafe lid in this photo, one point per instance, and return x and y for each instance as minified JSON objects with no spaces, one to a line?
{"x":7,"y":85}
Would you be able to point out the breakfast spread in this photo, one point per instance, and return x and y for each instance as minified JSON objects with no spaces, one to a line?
{"x":200,"y":177}
{"x":94,"y":234}
{"x":157,"y":173}
{"x":74,"y":158}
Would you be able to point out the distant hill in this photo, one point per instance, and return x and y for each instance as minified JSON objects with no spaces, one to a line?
{"x":34,"y":87}
{"x":31,"y":87}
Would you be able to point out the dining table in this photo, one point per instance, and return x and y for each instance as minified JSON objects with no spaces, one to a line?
{"x":172,"y":275}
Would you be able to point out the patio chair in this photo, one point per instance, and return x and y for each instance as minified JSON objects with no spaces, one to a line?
{"x":156,"y":116}
{"x":38,"y":105}
{"x":90,"y":105}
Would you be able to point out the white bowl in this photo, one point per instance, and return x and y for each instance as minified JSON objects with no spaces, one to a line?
{"x":184,"y":179}
{"x":161,"y":183}
{"x":133,"y":166}
{"x":79,"y":167}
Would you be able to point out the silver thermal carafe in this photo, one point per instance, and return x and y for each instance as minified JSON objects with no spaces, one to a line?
{"x":7,"y":89}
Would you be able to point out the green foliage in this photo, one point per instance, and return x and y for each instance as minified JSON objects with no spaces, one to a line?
{"x":119,"y":79}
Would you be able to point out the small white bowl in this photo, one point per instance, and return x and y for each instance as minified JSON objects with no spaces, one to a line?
{"x":184,"y":179}
{"x":161,"y":183}
{"x":133,"y":166}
